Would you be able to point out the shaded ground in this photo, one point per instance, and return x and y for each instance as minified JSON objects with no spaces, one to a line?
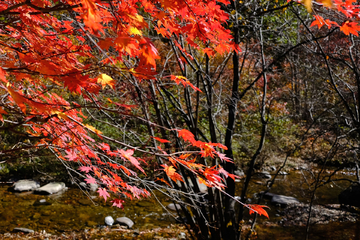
{"x":173,"y":232}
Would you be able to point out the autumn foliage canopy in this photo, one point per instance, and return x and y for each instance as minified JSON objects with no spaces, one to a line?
{"x":84,"y":46}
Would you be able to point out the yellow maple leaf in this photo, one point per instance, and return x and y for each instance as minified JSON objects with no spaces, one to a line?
{"x":104,"y":80}
{"x":308,"y":5}
{"x":327,"y":3}
{"x":135,"y":31}
{"x":60,"y":114}
{"x":93,"y":129}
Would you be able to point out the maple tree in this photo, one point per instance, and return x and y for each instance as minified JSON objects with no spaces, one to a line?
{"x":69,"y":66}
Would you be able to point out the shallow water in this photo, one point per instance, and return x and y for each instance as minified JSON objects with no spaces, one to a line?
{"x":299,"y":184}
{"x":74,"y":211}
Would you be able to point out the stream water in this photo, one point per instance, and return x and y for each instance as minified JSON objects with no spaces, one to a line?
{"x":74,"y":211}
{"x":299,"y":184}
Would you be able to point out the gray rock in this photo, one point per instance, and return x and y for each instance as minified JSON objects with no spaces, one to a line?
{"x":93,"y":187}
{"x":51,"y":188}
{"x":283,"y":173}
{"x":239,"y":173}
{"x":269,"y":195}
{"x":25,"y":185}
{"x":109,"y":220}
{"x":302,"y":167}
{"x":202,"y":187}
{"x":172,"y":207}
{"x":283,"y":200}
{"x":182,"y":235}
{"x":264,"y":174}
{"x":125,"y":221}
{"x":272,"y":168}
{"x":24,"y":230}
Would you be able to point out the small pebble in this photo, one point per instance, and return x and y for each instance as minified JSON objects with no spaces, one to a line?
{"x":109,"y":220}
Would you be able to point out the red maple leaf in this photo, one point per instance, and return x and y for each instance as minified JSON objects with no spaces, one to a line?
{"x":104,"y":146}
{"x":219,"y":145}
{"x":319,"y":22}
{"x":118,"y":203}
{"x":2,"y":111}
{"x":223,"y":157}
{"x":103,"y":193}
{"x":18,"y":98}
{"x":85,"y":169}
{"x":71,"y":155}
{"x":161,"y":140}
{"x":2,"y":74}
{"x":90,"y":179}
{"x":259,"y":209}
{"x":227,"y":174}
{"x":128,"y":155}
{"x":207,"y":150}
{"x":350,"y":27}
{"x":186,"y":135}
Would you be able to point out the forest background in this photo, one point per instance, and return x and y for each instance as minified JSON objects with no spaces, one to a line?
{"x":139,"y":95}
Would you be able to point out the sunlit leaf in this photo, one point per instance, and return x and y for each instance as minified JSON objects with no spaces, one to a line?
{"x":104,"y":80}
{"x":308,"y":5}
{"x":171,"y":172}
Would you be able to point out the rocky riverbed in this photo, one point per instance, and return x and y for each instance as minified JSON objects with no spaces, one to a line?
{"x":297,"y":214}
{"x":75,"y":213}
{"x":73,"y":210}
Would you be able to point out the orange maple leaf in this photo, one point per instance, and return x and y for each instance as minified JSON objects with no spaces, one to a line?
{"x":18,"y":98}
{"x":162,"y":180}
{"x":350,"y":27}
{"x":259,"y":209}
{"x":92,"y":17}
{"x":170,"y":171}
